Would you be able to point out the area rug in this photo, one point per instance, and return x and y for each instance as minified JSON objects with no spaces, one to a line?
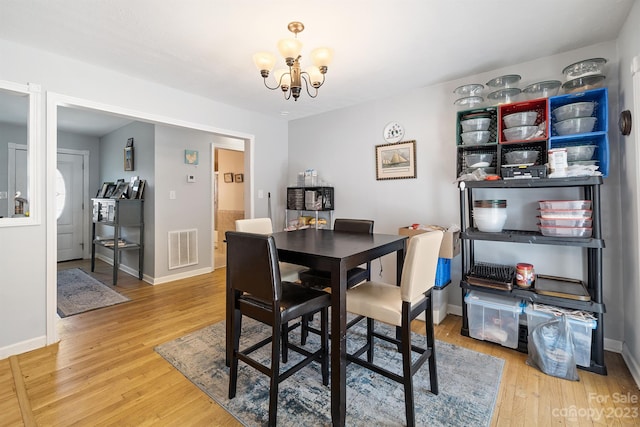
{"x":468,"y":383}
{"x":78,"y":292}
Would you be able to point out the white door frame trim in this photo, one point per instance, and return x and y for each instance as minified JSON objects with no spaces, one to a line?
{"x":55,"y":100}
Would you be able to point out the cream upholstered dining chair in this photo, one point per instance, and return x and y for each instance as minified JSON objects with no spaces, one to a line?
{"x":288,"y":272}
{"x":398,"y":306}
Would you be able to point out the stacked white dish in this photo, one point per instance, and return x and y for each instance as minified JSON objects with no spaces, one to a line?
{"x":490,"y":215}
{"x":565,"y":218}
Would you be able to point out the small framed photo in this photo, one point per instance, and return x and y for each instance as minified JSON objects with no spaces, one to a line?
{"x":228,"y":177}
{"x":239,"y":177}
{"x":396,"y":161}
{"x":191,"y":157}
{"x":128,"y":158}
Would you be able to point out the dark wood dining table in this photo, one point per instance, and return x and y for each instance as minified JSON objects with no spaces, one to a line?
{"x":337,"y":252}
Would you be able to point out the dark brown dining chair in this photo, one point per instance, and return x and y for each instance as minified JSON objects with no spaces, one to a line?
{"x":398,"y":306}
{"x":258,"y":292}
{"x":322,"y":279}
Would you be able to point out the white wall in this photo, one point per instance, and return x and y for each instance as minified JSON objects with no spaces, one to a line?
{"x":629,"y":160}
{"x":341,"y":146}
{"x":23,"y":256}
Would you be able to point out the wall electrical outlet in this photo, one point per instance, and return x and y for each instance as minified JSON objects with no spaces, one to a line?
{"x":191,"y":178}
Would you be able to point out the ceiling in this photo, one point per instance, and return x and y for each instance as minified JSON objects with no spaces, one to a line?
{"x":382,"y":47}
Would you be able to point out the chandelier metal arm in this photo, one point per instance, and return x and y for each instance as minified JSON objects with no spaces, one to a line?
{"x":305,"y":77}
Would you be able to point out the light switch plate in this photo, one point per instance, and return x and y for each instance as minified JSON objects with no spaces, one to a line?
{"x":191,"y":178}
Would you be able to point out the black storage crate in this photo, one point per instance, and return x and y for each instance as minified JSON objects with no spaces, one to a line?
{"x":300,"y":198}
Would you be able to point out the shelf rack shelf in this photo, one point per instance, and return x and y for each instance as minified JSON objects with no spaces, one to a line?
{"x":119,"y":214}
{"x":593,"y":247}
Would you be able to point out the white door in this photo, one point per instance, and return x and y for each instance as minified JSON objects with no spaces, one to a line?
{"x":69,"y":206}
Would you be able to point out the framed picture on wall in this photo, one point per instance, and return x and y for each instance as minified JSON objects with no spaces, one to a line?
{"x":396,"y":161}
{"x":228,"y":177}
{"x":191,"y":157}
{"x":239,"y":177}
{"x":128,"y":158}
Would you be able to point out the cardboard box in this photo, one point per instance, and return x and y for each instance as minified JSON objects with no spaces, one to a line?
{"x":450,"y":246}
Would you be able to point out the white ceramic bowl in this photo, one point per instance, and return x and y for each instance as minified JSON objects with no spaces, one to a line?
{"x":525,"y":118}
{"x":476,"y":137}
{"x":490,"y":220}
{"x":573,"y":126}
{"x":574,"y":110}
{"x":470,"y":125}
{"x":520,"y":132}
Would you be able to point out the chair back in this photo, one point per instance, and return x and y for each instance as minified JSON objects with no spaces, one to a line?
{"x":255,"y":225}
{"x":419,"y":270}
{"x":353,"y":225}
{"x":252,"y":266}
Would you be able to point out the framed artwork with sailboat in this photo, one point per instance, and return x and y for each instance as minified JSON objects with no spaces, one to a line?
{"x":396,"y":161}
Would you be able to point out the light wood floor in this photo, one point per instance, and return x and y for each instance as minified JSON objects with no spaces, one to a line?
{"x":104,"y":370}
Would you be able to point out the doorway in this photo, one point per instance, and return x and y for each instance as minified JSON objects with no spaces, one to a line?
{"x":56,"y":101}
{"x":228,"y":197}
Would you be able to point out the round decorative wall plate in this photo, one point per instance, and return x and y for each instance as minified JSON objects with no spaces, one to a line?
{"x":393,"y":132}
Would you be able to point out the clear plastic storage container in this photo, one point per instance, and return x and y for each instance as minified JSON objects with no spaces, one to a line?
{"x":565,"y":204}
{"x":566,"y":231}
{"x":565,"y":213}
{"x":493,"y":318}
{"x":581,"y":332}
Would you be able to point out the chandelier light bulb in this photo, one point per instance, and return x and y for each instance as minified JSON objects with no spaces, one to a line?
{"x":264,"y":61}
{"x":289,"y":48}
{"x":283,"y":78}
{"x":315,"y":76}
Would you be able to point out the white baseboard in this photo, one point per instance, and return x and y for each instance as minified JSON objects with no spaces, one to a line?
{"x":23,"y":347}
{"x":178,"y":276}
{"x":632,"y":364}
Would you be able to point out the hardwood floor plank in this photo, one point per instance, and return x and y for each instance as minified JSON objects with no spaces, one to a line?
{"x":105,"y":371}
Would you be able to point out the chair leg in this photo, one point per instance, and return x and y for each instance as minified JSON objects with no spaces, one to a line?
{"x":233,"y":363}
{"x":406,"y":371}
{"x":324,"y":345}
{"x":275,"y":373}
{"x":284,"y":339}
{"x":304,"y":328}
{"x":431,"y":345}
{"x":370,"y":326}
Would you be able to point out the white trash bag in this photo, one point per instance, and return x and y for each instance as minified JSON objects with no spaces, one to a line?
{"x":551,"y":349}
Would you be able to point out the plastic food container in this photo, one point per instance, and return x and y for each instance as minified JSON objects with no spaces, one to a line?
{"x":520,"y":132}
{"x":573,"y":126}
{"x":565,"y":204}
{"x":580,"y":153}
{"x":506,"y":81}
{"x":544,"y":89}
{"x":490,"y":219}
{"x":555,"y":222}
{"x":504,"y":96}
{"x":476,"y":137}
{"x":521,"y":157}
{"x":566,"y":231}
{"x":565,"y":213}
{"x":469,"y":101}
{"x":586,"y":67}
{"x":583,"y":83}
{"x":525,"y":118}
{"x":472,"y":89}
{"x":574,"y":110}
{"x":471,"y":125}
{"x":479,"y":160}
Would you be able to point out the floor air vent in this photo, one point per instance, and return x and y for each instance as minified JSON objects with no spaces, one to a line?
{"x":183,"y":248}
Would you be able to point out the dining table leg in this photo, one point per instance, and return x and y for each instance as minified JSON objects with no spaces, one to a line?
{"x":338,"y":344}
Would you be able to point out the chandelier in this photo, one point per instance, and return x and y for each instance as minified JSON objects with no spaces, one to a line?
{"x":290,"y":80}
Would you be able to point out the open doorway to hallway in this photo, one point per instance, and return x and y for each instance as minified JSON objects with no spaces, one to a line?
{"x":228,"y":193}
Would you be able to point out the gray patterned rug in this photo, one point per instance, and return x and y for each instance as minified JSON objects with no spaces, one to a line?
{"x":79,"y":292}
{"x":468,"y":383}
